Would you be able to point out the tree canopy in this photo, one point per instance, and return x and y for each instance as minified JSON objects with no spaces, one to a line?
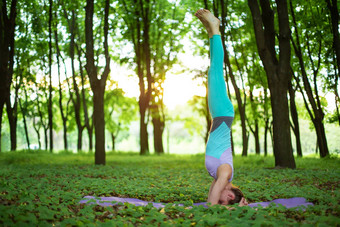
{"x":57,"y":58}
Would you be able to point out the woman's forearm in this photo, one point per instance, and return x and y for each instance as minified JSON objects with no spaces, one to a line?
{"x":218,"y":185}
{"x":216,"y":190}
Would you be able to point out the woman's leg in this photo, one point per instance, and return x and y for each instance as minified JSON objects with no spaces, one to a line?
{"x":219,"y":103}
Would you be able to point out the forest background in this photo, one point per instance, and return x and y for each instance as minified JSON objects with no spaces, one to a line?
{"x":130,"y":75}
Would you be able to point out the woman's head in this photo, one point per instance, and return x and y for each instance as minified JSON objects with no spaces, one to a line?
{"x":238,"y":195}
{"x":231,"y":196}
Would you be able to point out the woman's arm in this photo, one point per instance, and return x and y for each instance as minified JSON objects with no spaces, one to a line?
{"x":223,"y":175}
{"x":211,"y":187}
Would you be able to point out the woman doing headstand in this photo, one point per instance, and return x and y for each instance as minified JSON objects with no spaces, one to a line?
{"x":218,"y":156}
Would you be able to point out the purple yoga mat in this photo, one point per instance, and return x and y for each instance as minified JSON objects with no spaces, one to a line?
{"x":288,"y":203}
{"x":111,"y":201}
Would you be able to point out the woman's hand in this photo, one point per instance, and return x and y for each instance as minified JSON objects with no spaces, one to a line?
{"x":243,"y":202}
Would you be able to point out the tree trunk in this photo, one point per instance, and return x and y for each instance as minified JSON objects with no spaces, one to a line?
{"x":158,"y":123}
{"x":278,"y":74}
{"x":266,"y":128}
{"x":1,"y":110}
{"x":50,"y":111}
{"x":46,"y":138}
{"x":88,"y":125}
{"x":266,"y":120}
{"x":97,"y":85}
{"x":257,"y":138}
{"x":317,"y":108}
{"x":143,"y":106}
{"x":113,"y":138}
{"x":139,"y":26}
{"x":245,"y":136}
{"x":333,"y":9}
{"x":321,"y":135}
{"x":7,"y":28}
{"x":144,"y":144}
{"x":337,"y":99}
{"x":99,"y":125}
{"x":77,"y":101}
{"x":65,"y":133}
{"x":23,"y":112}
{"x":73,"y":29}
{"x":255,"y":130}
{"x":147,"y":61}
{"x":37,"y":130}
{"x":12,"y":119}
{"x":317,"y":115}
{"x":271,"y":132}
{"x":158,"y":127}
{"x":44,"y":125}
{"x":12,"y":113}
{"x":295,"y":118}
{"x":281,"y":128}
{"x":76,"y":104}
{"x":63,"y":117}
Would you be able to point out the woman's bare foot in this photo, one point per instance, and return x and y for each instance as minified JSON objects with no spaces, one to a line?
{"x":210,"y":22}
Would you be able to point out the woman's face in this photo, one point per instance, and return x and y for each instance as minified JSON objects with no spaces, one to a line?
{"x":226,"y":196}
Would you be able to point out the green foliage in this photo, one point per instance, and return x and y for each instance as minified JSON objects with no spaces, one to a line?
{"x":119,"y":111}
{"x":172,"y":29}
{"x":199,"y":105}
{"x":40,"y":188}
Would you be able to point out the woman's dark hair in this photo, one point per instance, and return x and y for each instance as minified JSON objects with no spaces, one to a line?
{"x":238,"y":195}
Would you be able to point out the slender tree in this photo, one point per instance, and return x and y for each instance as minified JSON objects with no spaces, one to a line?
{"x":77,"y":100}
{"x":60,"y":91}
{"x":23,"y":109}
{"x":254,"y":125}
{"x":12,"y":111}
{"x":166,"y":32}
{"x":97,"y":84}
{"x":332,"y":6}
{"x":266,"y":118}
{"x":22,"y":70}
{"x":88,"y":122}
{"x":50,"y":110}
{"x":295,"y":119}
{"x":41,"y":104}
{"x":7,"y":28}
{"x":137,"y":19}
{"x":313,"y":105}
{"x":146,"y":20}
{"x":334,"y":11}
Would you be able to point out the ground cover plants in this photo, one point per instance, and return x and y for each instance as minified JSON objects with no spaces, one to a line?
{"x":42,"y":189}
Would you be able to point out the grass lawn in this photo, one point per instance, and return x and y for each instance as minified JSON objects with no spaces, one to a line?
{"x":42,"y":189}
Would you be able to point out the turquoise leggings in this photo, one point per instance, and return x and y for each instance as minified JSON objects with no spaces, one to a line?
{"x":218,"y":101}
{"x":218,"y":150}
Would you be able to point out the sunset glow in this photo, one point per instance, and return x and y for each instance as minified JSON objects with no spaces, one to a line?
{"x":178,"y":89}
